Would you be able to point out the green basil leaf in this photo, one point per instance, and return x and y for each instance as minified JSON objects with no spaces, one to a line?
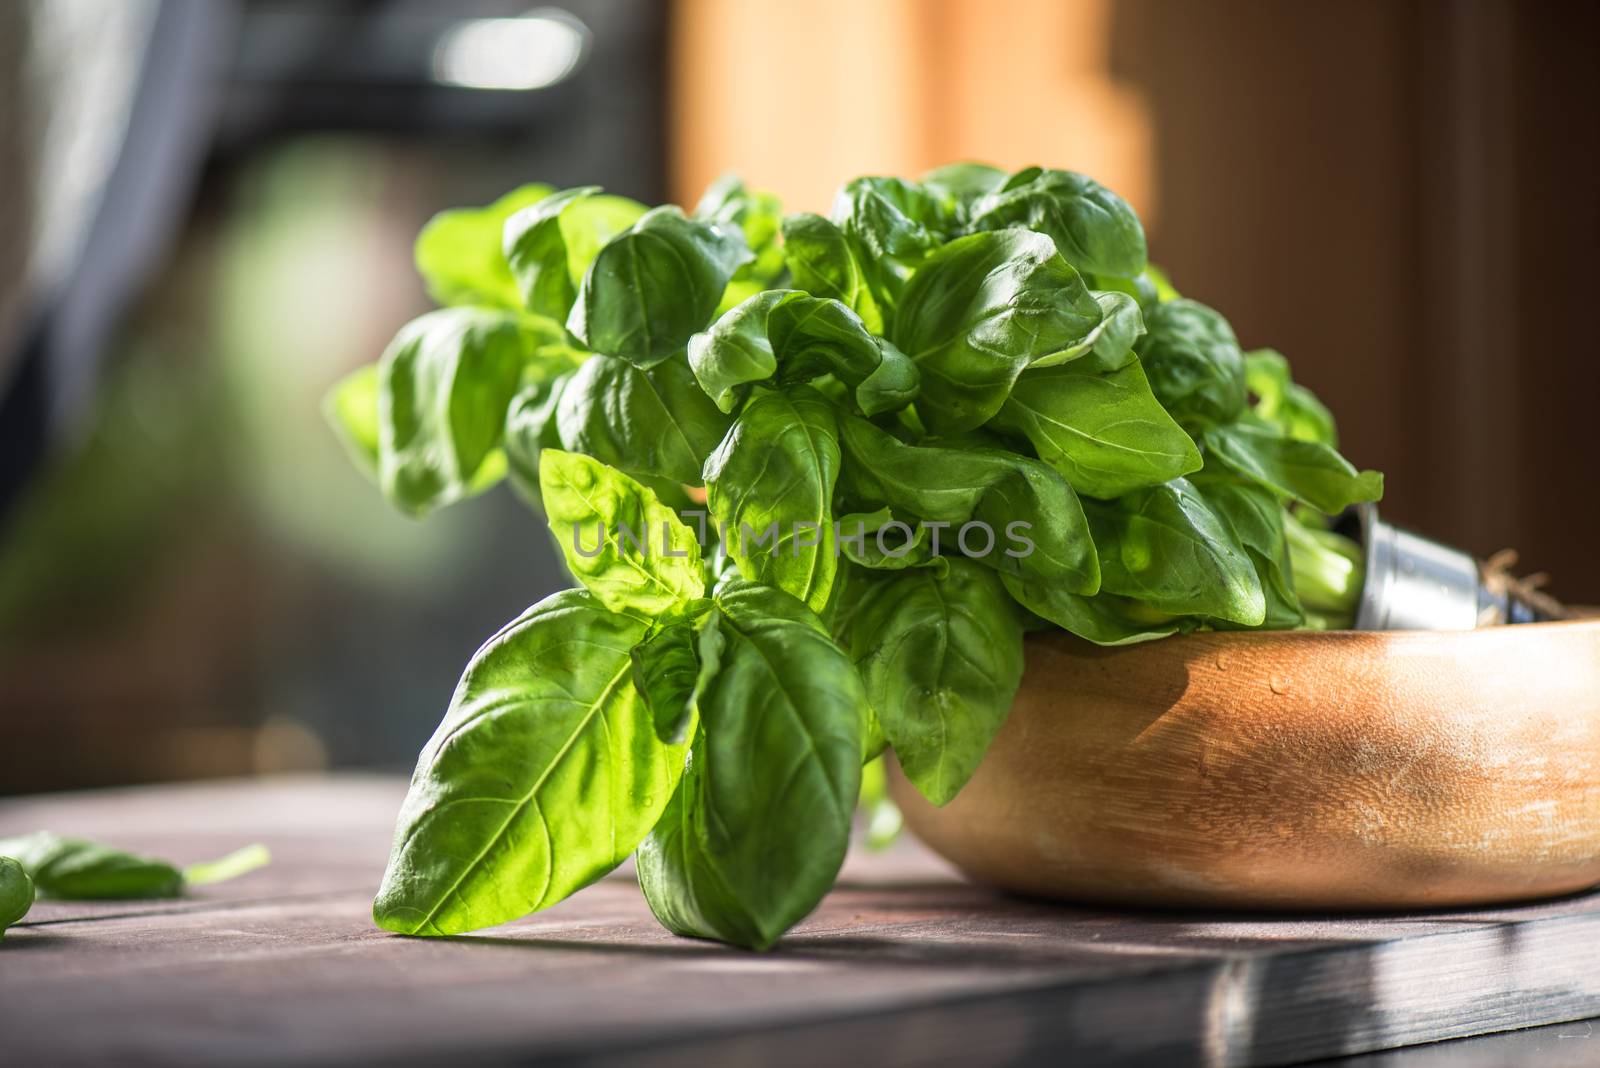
{"x":665,"y":669}
{"x":758,"y":217}
{"x":1292,"y":408}
{"x":769,"y":486}
{"x":351,"y":409}
{"x":759,"y":826}
{"x":1112,"y":337}
{"x":655,"y":422}
{"x":544,"y":775}
{"x":1034,"y":521}
{"x":16,"y":893}
{"x":1257,"y":519}
{"x":654,"y":285}
{"x":75,"y":869}
{"x":1101,"y":619}
{"x":1165,"y":547}
{"x":530,"y":429}
{"x":1094,"y":228}
{"x":1307,"y":471}
{"x":550,"y":245}
{"x":881,"y":542}
{"x":459,"y":253}
{"x":963,"y":183}
{"x":792,"y":337}
{"x":895,"y":224}
{"x":941,"y":659}
{"x":978,"y":313}
{"x":626,"y":547}
{"x":445,"y":383}
{"x":1194,"y":364}
{"x":1100,"y":426}
{"x":822,"y":262}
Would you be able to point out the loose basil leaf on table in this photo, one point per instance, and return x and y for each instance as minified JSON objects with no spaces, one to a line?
{"x":655,"y":422}
{"x":941,"y":659}
{"x":978,"y":313}
{"x":788,"y":337}
{"x":1194,"y":363}
{"x":1097,"y":422}
{"x":444,"y":385}
{"x":544,"y":775}
{"x":75,"y":869}
{"x":1165,"y":547}
{"x":759,"y":825}
{"x":1094,"y":228}
{"x":769,"y":486}
{"x":1307,"y":471}
{"x":1018,"y":499}
{"x":16,"y":893}
{"x":458,"y":253}
{"x":627,"y":548}
{"x":822,"y":261}
{"x":654,"y":285}
{"x":550,"y":245}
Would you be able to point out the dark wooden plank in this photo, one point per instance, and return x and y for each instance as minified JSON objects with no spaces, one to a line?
{"x":902,"y":964}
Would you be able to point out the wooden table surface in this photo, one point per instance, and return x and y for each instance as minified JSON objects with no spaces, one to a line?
{"x":903,"y":964}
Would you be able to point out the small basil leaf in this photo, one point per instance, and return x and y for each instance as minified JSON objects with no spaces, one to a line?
{"x":793,"y":337}
{"x":627,"y":548}
{"x":881,"y":542}
{"x":665,"y":668}
{"x":941,"y":659}
{"x":769,"y":486}
{"x":444,"y":386}
{"x":655,"y":422}
{"x":978,"y":312}
{"x":1112,"y":337}
{"x":351,"y":409}
{"x":1029,"y":520}
{"x":756,"y":833}
{"x":1194,"y":364}
{"x":1102,"y":428}
{"x":963,"y":183}
{"x":75,"y":869}
{"x":459,"y":253}
{"x":16,"y":893}
{"x":1292,"y":408}
{"x":1164,"y":546}
{"x":895,"y":224}
{"x":544,"y":775}
{"x":654,"y":285}
{"x":758,"y":217}
{"x":1094,"y":228}
{"x":550,"y":245}
{"x":1307,"y":471}
{"x":530,"y":429}
{"x":822,"y":262}
{"x":1257,"y":519}
{"x":1100,"y":619}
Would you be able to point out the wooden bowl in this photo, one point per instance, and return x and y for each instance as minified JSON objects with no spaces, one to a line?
{"x":1291,"y":770}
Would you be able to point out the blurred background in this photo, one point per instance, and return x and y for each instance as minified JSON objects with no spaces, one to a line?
{"x":206,"y":216}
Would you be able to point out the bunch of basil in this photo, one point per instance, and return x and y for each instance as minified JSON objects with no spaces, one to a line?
{"x":971,"y":352}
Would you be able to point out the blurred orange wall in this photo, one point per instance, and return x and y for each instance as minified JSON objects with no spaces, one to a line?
{"x":799,"y":97}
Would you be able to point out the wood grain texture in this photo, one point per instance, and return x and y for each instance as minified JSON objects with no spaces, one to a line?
{"x":1291,"y":770}
{"x":903,"y":964}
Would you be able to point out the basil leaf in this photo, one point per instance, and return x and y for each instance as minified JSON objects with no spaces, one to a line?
{"x":1257,"y":519}
{"x":996,"y":489}
{"x":626,"y":547}
{"x":880,"y":541}
{"x":978,"y":312}
{"x":895,"y":224}
{"x":16,"y":893}
{"x":963,"y":183}
{"x":665,"y":669}
{"x":1193,"y":362}
{"x":1292,"y":408}
{"x":822,"y":262}
{"x":76,"y":869}
{"x":941,"y":659}
{"x":1100,"y":619}
{"x":1165,"y":547}
{"x":655,"y":422}
{"x":793,"y":337}
{"x":351,"y":409}
{"x":769,"y":486}
{"x":1099,"y":424}
{"x":544,"y":775}
{"x":759,"y":826}
{"x":444,"y":385}
{"x":1094,"y":228}
{"x":459,"y":256}
{"x":758,"y":216}
{"x":530,"y":429}
{"x":654,"y":285}
{"x":550,"y":245}
{"x":1307,"y":471}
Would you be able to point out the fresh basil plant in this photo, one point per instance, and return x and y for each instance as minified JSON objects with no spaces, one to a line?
{"x":816,"y":477}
